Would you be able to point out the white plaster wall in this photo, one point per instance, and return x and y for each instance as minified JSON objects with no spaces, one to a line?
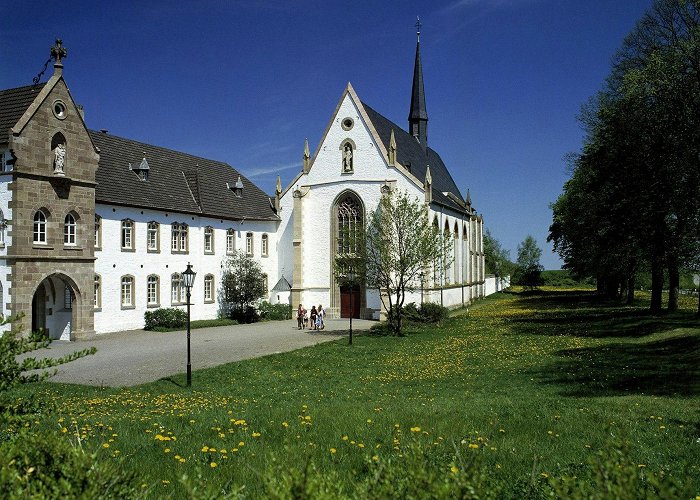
{"x":112,"y":263}
{"x":326,"y":182}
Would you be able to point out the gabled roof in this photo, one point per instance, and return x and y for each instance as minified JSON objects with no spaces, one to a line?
{"x":13,"y":104}
{"x":411,"y":155}
{"x":177,"y":182}
{"x":282,"y":285}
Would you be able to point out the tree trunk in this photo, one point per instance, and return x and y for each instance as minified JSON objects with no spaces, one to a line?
{"x":630,"y":290}
{"x":673,"y":282}
{"x":657,"y":272}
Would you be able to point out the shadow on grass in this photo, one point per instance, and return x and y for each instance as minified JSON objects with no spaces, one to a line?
{"x":662,"y":368}
{"x":584,"y":314}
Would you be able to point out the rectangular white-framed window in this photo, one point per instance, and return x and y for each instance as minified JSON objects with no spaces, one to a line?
{"x":98,"y":292}
{"x":153,"y":237}
{"x":249,"y":244}
{"x":209,"y":288}
{"x":179,"y":238}
{"x":230,"y":241}
{"x":127,"y":292}
{"x":98,"y":232}
{"x":208,"y":239}
{"x":127,"y":234}
{"x":176,"y":289}
{"x":153,"y":291}
{"x":264,"y":245}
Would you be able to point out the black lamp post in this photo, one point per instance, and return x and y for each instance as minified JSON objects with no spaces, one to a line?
{"x":421,"y":289}
{"x":188,"y":280}
{"x":351,"y":279}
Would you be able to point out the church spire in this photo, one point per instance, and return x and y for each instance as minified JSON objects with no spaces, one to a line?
{"x":418,"y":116}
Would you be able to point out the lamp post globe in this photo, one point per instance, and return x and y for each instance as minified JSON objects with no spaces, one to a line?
{"x":188,"y":276}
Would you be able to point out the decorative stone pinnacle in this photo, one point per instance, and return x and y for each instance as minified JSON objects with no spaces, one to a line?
{"x":58,"y":51}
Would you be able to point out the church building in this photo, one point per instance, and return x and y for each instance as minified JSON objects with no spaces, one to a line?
{"x":96,"y":229}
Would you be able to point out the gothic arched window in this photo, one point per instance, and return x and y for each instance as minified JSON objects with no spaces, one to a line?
{"x":350,"y":224}
{"x":39,"y":227}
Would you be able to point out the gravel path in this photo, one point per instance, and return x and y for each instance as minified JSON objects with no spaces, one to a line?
{"x":136,"y":357}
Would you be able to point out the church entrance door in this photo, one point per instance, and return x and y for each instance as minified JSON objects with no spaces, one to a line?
{"x":346,"y":297}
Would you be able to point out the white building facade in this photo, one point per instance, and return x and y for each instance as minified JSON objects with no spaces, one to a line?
{"x":95,"y":229}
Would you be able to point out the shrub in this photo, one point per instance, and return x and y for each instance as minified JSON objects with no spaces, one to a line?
{"x":165,"y":318}
{"x":273,"y":312}
{"x":12,"y":345}
{"x":43,"y":465}
{"x":433,"y":313}
{"x":245,"y":316}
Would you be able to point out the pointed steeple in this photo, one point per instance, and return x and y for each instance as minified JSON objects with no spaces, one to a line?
{"x":392,"y":149}
{"x":418,"y":116}
{"x":307,"y":157}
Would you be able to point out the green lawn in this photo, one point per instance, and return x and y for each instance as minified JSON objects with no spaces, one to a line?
{"x":515,"y":394}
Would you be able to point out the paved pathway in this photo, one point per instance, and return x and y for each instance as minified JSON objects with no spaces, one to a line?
{"x":136,"y":357}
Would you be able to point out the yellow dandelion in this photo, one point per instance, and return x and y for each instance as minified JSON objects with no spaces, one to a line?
{"x":256,"y":434}
{"x":345,"y":438}
{"x":167,"y":450}
{"x":375,"y":458}
{"x":454,"y":469}
{"x":213,"y":465}
{"x":415,"y":429}
{"x":241,"y":444}
{"x":473,"y":445}
{"x":285,"y":424}
{"x":205,"y":449}
{"x":182,"y":460}
{"x":369,"y":420}
{"x":333,"y":451}
{"x":105,"y":445}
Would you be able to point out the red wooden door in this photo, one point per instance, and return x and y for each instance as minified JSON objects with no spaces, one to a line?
{"x":346,"y":297}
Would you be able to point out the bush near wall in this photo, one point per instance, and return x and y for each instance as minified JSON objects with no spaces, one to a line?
{"x":274,"y":312}
{"x":165,"y":318}
{"x":429,"y":312}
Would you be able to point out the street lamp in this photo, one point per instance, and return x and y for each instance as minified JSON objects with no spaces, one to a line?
{"x":421,"y":290}
{"x":351,"y":279}
{"x":188,"y":280}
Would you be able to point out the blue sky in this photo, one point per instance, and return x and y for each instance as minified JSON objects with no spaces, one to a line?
{"x":246,"y":82}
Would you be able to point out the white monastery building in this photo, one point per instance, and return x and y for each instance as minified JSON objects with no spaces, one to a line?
{"x":96,"y":229}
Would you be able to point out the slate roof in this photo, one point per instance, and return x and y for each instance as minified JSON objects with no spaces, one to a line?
{"x":13,"y":104}
{"x":177,"y":182}
{"x":409,"y":152}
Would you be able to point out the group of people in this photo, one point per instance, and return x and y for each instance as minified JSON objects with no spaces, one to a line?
{"x":313,"y":320}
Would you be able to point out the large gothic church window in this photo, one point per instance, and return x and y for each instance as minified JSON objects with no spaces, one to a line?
{"x":349,"y":224}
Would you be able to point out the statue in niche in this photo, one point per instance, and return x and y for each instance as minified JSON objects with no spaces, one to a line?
{"x":59,"y":158}
{"x":347,"y":158}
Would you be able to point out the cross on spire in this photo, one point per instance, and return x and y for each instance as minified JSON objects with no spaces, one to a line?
{"x":418,"y":26}
{"x":58,"y":51}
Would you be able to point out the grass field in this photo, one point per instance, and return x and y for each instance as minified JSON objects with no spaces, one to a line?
{"x":522,"y":394}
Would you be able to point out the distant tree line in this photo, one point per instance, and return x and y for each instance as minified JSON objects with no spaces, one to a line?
{"x":632,"y":203}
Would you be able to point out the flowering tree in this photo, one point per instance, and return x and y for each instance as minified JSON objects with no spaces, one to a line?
{"x":401,"y":244}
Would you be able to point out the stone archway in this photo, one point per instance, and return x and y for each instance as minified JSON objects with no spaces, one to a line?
{"x":56,"y":304}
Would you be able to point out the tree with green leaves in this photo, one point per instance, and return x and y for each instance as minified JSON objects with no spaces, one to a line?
{"x":497,"y":258}
{"x":633,"y":202}
{"x":528,"y":270}
{"x":242,"y":283}
{"x":401,"y":246}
